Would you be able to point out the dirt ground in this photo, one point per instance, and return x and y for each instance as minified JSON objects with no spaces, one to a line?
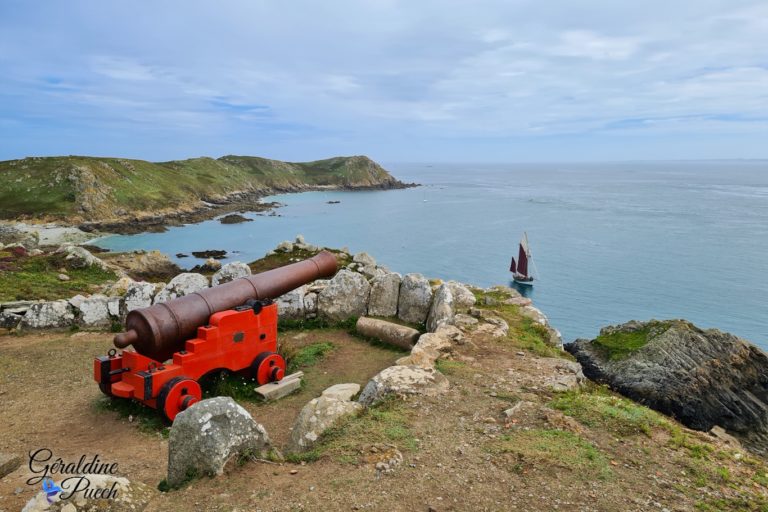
{"x":459,"y":450}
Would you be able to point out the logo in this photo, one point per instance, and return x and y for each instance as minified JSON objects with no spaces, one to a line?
{"x":74,"y":476}
{"x":50,"y":489}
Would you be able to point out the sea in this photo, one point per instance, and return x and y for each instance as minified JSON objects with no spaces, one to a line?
{"x":611,"y":242}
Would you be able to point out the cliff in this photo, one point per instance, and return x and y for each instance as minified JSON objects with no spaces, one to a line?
{"x":78,"y":189}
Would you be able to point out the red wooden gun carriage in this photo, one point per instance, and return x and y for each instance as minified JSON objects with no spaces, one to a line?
{"x":232,"y":327}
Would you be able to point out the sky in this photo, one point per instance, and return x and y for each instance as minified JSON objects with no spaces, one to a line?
{"x":423,"y":81}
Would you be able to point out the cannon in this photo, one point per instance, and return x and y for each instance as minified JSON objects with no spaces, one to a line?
{"x":231,"y":327}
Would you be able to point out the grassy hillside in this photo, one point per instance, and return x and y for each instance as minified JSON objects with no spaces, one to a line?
{"x":76,"y":188}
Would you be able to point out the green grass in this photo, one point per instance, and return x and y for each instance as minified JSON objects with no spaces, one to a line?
{"x":555,"y":448}
{"x":148,"y":420}
{"x":448,"y":367}
{"x":58,"y":186}
{"x":523,"y":332}
{"x":36,"y":277}
{"x":619,"y":345}
{"x":308,"y":355}
{"x":597,"y":407}
{"x":388,"y":422}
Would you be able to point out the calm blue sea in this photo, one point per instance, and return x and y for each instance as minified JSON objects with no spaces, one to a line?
{"x":611,"y":242}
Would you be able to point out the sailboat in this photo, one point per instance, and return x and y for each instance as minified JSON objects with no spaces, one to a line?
{"x":519,"y":270}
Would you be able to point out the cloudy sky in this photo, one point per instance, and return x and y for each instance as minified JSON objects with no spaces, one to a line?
{"x":482,"y":81}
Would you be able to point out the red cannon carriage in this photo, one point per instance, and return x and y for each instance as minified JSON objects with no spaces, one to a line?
{"x":232,"y":326}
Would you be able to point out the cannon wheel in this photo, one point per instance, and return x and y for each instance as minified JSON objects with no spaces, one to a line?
{"x":106,"y":389}
{"x":268,"y":367}
{"x":178,"y":394}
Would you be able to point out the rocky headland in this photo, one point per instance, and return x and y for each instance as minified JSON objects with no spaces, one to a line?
{"x":703,"y":378}
{"x":127,"y":196}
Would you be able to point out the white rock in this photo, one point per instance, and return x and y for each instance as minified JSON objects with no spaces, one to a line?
{"x":427,"y":350}
{"x":230,"y":272}
{"x":181,"y":285}
{"x":346,"y":296}
{"x":319,"y":415}
{"x":385,"y":290}
{"x":94,"y":311}
{"x":79,"y":257}
{"x":463,"y":298}
{"x":203,"y":446}
{"x":285,"y":246}
{"x":403,"y":381}
{"x":291,"y":305}
{"x":364,"y":259}
{"x":441,"y":309}
{"x":415,"y":299}
{"x":43,"y":315}
{"x":342,"y":391}
{"x":139,"y":295}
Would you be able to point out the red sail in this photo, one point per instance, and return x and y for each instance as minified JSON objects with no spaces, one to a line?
{"x":512,"y":267}
{"x":522,"y":262}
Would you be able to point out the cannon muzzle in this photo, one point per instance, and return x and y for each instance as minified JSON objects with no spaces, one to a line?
{"x":162,"y":329}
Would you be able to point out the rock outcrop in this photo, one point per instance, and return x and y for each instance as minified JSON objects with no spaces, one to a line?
{"x":385,"y":290}
{"x":402,"y":381}
{"x":46,"y":315}
{"x":182,"y":284}
{"x":207,"y":435}
{"x":230,"y":272}
{"x":415,"y":299}
{"x":346,"y":296}
{"x":703,"y":378}
{"x":321,"y":413}
{"x":441,"y":309}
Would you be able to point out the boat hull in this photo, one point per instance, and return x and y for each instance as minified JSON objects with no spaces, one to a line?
{"x":522,"y":280}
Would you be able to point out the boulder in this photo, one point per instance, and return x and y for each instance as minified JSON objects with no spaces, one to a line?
{"x":128,"y":496}
{"x":14,"y":235}
{"x":463,"y":321}
{"x":207,"y":435}
{"x":385,"y":290}
{"x":116,"y":307}
{"x":146,"y":265}
{"x":285,"y":246}
{"x":181,"y":285}
{"x":463,"y":298}
{"x":703,"y":378}
{"x":427,"y":350}
{"x":43,"y":315}
{"x":346,"y":296}
{"x":9,"y":320}
{"x":79,"y":257}
{"x":310,"y":305}
{"x":403,"y":381}
{"x":414,"y":299}
{"x":94,"y":311}
{"x":371,"y":272}
{"x":291,"y":305}
{"x":230,"y":272}
{"x":138,"y":295}
{"x":321,"y":413}
{"x":120,"y":287}
{"x":364,"y":259}
{"x":441,"y":310}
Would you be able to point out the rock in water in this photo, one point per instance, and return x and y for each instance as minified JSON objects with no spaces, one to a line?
{"x":415,"y":298}
{"x":703,"y":378}
{"x":205,"y":436}
{"x":346,"y":296}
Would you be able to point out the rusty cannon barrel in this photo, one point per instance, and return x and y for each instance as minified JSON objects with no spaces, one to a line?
{"x":162,"y":329}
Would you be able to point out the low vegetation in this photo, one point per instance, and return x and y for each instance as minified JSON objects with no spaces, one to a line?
{"x":558,"y":448}
{"x":620,"y":344}
{"x":37,"y":278}
{"x":93,"y":188}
